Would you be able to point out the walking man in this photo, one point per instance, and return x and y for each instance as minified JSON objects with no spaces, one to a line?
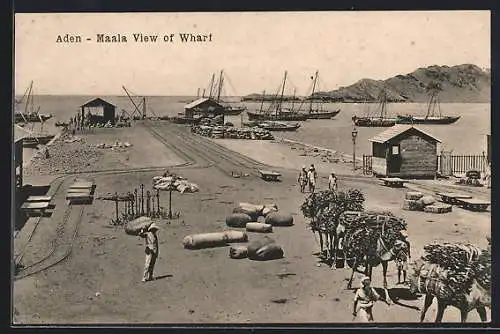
{"x":312,"y":176}
{"x":151,"y":251}
{"x":365,"y":297}
{"x":332,"y":182}
{"x":302,"y":180}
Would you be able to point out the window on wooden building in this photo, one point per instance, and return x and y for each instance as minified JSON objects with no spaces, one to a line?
{"x":395,"y":149}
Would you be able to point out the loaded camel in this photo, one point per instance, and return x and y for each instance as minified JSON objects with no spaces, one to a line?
{"x":374,"y":243}
{"x":324,"y":209}
{"x":456,"y":275}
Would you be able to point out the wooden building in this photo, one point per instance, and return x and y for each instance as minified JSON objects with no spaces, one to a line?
{"x":404,"y":151}
{"x":100,"y":111}
{"x":205,"y":106}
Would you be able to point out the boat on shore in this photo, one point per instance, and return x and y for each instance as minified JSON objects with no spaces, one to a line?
{"x":29,"y":116}
{"x":276,"y":111}
{"x":278,"y":126}
{"x":379,"y":121}
{"x":317,"y":112}
{"x":434,"y":115}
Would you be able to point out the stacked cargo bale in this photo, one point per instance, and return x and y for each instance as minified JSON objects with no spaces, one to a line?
{"x":416,"y":201}
{"x":232,"y":132}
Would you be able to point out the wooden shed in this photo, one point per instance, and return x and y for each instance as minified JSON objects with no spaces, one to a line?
{"x":203,"y":106}
{"x":100,"y":111}
{"x":404,"y":151}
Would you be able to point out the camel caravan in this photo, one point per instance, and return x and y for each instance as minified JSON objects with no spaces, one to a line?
{"x":456,"y":275}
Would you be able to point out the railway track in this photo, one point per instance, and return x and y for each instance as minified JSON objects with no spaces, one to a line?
{"x":194,"y":147}
{"x":61,"y":246}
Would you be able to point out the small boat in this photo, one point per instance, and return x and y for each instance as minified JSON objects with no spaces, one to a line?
{"x":409,"y":119}
{"x":279,"y":126}
{"x":280,"y":116}
{"x":432,"y":117}
{"x":318,"y":112}
{"x":380,"y":121}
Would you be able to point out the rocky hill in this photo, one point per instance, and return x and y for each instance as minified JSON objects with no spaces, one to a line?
{"x":461,"y":83}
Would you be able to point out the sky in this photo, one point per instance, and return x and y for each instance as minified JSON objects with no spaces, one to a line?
{"x":254,"y":49}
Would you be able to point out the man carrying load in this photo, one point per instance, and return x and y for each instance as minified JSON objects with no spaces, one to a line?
{"x":302,"y":179}
{"x":151,"y":251}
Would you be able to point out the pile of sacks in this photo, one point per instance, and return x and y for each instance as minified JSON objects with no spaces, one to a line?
{"x":259,"y":250}
{"x":175,"y":183}
{"x":416,"y":201}
{"x":258,"y":217}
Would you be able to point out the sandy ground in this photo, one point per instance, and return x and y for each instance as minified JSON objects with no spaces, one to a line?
{"x":100,"y":281}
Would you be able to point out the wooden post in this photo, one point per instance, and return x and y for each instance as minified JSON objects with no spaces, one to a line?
{"x":170,"y":204}
{"x":142,"y":199}
{"x":136,"y":201}
{"x":148,"y":203}
{"x":158,"y":200}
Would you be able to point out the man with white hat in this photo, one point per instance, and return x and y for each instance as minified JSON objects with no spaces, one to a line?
{"x":365,"y":297}
{"x":151,"y":251}
{"x":332,"y":181}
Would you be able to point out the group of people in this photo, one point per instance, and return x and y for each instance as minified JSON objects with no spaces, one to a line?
{"x":309,"y":177}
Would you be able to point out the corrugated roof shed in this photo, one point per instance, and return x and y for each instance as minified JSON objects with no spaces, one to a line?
{"x":397,"y":130}
{"x":198,"y":102}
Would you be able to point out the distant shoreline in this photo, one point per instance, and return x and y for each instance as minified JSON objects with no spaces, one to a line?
{"x":251,"y":99}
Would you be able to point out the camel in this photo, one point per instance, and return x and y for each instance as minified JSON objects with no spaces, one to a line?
{"x":478,"y":298}
{"x":372,"y":254}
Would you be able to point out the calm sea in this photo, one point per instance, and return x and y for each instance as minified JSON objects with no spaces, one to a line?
{"x":466,"y":136}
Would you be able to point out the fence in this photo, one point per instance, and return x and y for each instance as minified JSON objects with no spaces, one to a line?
{"x":458,"y":164}
{"x":367,"y":165}
{"x":447,"y":164}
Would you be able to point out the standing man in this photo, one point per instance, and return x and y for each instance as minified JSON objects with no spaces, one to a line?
{"x":332,"y":182}
{"x":312,"y":176}
{"x":365,"y":297}
{"x":151,"y":250}
{"x":302,"y":180}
